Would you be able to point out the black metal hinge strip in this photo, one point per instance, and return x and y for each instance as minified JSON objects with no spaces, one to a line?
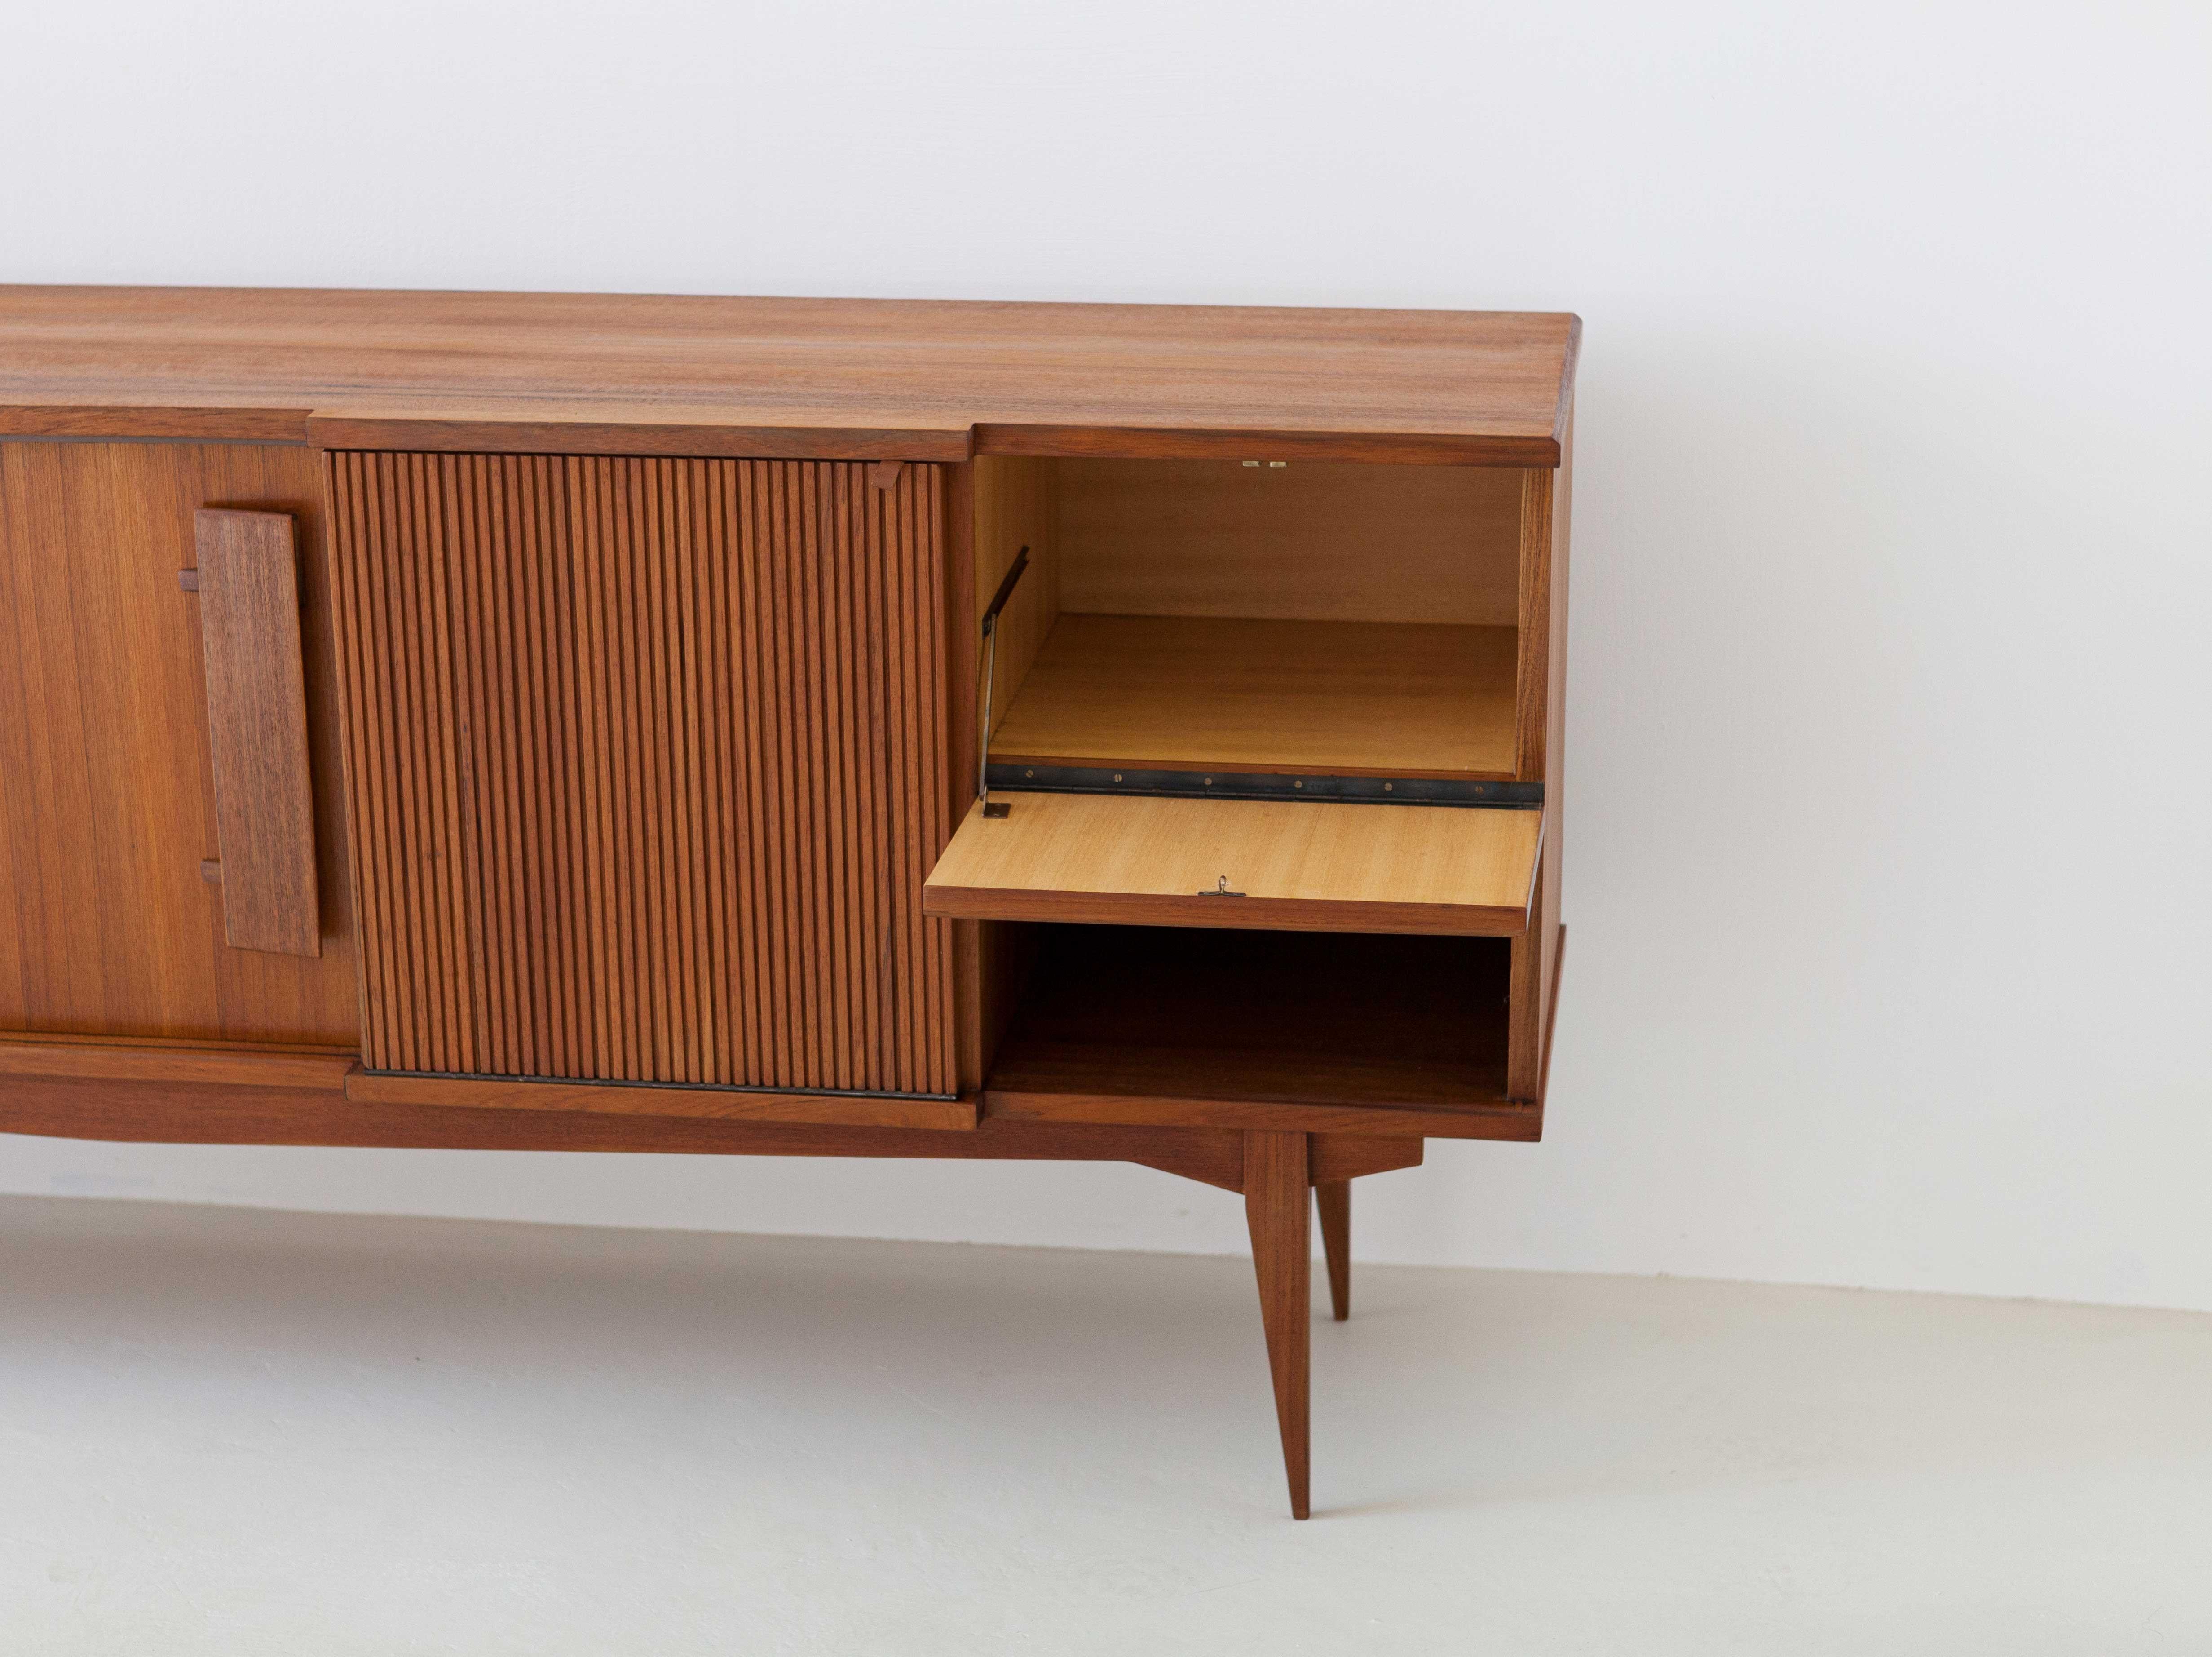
{"x":1259,"y":784}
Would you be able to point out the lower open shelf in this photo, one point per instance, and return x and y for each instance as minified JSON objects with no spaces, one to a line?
{"x":1317,"y":1032}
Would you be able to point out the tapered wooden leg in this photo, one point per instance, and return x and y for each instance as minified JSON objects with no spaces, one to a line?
{"x":1279,"y":1213}
{"x":1333,"y":1198}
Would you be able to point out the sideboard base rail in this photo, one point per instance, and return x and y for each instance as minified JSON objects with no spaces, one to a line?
{"x":935,"y":1112}
{"x":211,"y":1095}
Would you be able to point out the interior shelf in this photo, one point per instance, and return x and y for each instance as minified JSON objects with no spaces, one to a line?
{"x":1322,"y":697}
{"x":1121,"y":1021}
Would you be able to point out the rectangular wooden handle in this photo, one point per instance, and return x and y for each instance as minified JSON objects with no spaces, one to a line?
{"x":257,"y":695}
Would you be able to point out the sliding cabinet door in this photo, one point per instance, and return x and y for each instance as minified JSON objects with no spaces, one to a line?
{"x":173,"y":862}
{"x":647,"y":765}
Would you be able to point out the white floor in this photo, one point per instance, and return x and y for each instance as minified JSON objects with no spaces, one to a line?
{"x":237,"y":1432}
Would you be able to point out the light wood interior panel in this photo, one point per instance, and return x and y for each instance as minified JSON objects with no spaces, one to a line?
{"x":1016,"y":506}
{"x":1309,"y":541}
{"x":1348,"y":698}
{"x":1323,"y":866}
{"x":106,"y":789}
{"x":649,"y":760}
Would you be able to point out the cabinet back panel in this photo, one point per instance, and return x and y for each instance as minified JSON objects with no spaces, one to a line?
{"x":648,"y":763}
{"x":107,"y":784}
{"x":1318,"y":541}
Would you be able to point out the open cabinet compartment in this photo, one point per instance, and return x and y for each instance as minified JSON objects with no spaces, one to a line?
{"x":1240,"y":693}
{"x":1326,"y":617}
{"x":1274,"y":840}
{"x":1316,"y":1032}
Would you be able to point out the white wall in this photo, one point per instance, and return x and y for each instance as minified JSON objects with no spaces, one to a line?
{"x":1890,"y":719}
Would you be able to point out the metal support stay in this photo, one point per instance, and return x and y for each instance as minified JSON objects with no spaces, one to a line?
{"x":991,"y":683}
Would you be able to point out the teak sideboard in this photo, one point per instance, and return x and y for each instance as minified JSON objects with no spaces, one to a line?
{"x":786,"y":727}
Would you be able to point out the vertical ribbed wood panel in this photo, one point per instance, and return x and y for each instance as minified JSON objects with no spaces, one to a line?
{"x":648,"y":764}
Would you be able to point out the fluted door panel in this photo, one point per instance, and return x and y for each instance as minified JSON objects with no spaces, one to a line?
{"x":647,"y":766}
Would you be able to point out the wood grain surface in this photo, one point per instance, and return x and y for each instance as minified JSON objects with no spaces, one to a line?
{"x":647,"y":763}
{"x":1525,"y":1035}
{"x":724,"y":1104}
{"x":920,"y":379}
{"x":110,"y":1060}
{"x":1320,"y":1032}
{"x":1347,"y":1156}
{"x":256,"y":699}
{"x":1547,"y":499}
{"x":1015,"y":508}
{"x":177,"y":1092}
{"x":170,"y":1111}
{"x":1332,"y":1205}
{"x":1545,"y":915}
{"x":1278,"y":1214}
{"x":1329,"y":541}
{"x":108,"y":796}
{"x":1326,"y":698}
{"x":1319,"y":865}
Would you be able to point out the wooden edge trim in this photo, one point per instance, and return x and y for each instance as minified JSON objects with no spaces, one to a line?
{"x":1229,"y":914}
{"x":288,"y":426}
{"x":1570,"y":361}
{"x":1530,"y":919}
{"x":185,"y":1113}
{"x":722,"y":1104}
{"x":461,"y":435}
{"x":180,"y":1043}
{"x":1504,"y":1121}
{"x":240,"y":1067}
{"x":971,"y":1042}
{"x":213,"y":1094}
{"x":1551,"y":1019}
{"x":1532,"y":670}
{"x":1183,"y":443}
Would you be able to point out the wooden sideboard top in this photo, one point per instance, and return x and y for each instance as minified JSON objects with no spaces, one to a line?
{"x":783,"y":378}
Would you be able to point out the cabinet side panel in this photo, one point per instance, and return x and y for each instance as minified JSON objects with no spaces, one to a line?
{"x":1017,"y":505}
{"x":106,"y":782}
{"x":1555,"y":726}
{"x":1532,"y":674}
{"x":1541,"y":745}
{"x":649,"y":761}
